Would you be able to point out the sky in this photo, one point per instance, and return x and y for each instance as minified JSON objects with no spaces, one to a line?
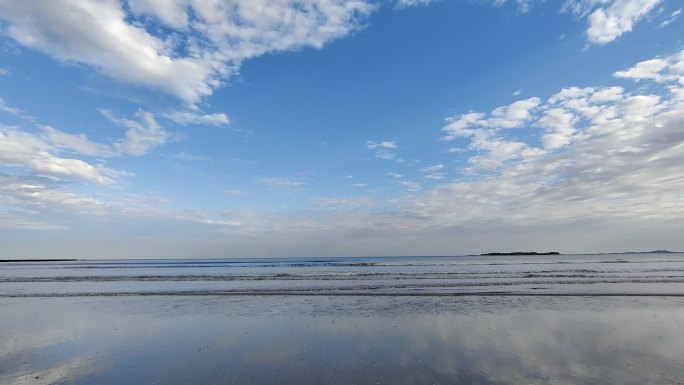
{"x":282,"y":128}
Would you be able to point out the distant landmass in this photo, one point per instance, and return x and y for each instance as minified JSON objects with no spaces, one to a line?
{"x":646,"y":252}
{"x":524,"y":253}
{"x":37,"y":260}
{"x":557,"y":253}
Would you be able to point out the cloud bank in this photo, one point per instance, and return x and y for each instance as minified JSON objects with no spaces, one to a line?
{"x":202,"y":44}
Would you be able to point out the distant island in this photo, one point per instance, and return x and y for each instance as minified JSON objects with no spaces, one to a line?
{"x":524,"y":253}
{"x":37,"y":260}
{"x":646,"y":252}
{"x":557,"y":253}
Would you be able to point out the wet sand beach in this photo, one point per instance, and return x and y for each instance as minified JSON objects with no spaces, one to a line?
{"x":422,"y":321}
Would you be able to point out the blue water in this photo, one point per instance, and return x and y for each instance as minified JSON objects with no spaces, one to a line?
{"x":607,"y":274}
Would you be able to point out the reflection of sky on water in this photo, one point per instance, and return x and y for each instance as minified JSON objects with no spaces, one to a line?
{"x":252,"y":340}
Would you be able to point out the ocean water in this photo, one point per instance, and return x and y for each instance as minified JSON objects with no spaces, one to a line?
{"x":608,"y":274}
{"x":571,"y":319}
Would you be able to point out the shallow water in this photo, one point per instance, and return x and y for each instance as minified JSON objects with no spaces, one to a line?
{"x":610,"y":274}
{"x":342,"y":340}
{"x":463,"y":320}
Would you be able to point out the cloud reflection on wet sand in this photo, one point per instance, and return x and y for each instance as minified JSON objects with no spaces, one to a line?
{"x":309,"y":340}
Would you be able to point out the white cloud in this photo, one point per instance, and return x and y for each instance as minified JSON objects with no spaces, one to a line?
{"x":23,"y":149}
{"x":338,"y":203}
{"x":484,"y":133}
{"x":615,"y":182}
{"x":673,"y":16}
{"x":410,"y":185}
{"x":434,"y":172}
{"x":413,"y":3}
{"x":141,"y":135}
{"x":559,"y":123}
{"x":516,"y":93}
{"x":523,"y":5}
{"x":569,"y":119}
{"x":234,"y":192}
{"x":588,"y":103}
{"x":4,"y":71}
{"x":462,"y":126}
{"x":659,"y":69}
{"x":623,"y":159}
{"x":99,"y":34}
{"x":496,"y":152}
{"x":205,"y":43}
{"x":9,"y":109}
{"x":607,"y":94}
{"x":30,"y":195}
{"x":608,"y":22}
{"x":581,"y":8}
{"x":375,"y":145}
{"x":186,"y":156}
{"x":193,"y":117}
{"x":77,"y":143}
{"x":505,"y":117}
{"x":512,"y":115}
{"x":609,"y":19}
{"x":383,"y":150}
{"x":281,"y":182}
{"x":407,"y":184}
{"x":455,"y":150}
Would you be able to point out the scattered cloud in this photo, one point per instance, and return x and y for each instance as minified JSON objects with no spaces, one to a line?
{"x":234,"y":192}
{"x":9,"y":109}
{"x":658,"y":69}
{"x":522,"y":5}
{"x":187,"y":156}
{"x":383,"y":150}
{"x":455,"y":150}
{"x":376,"y":145}
{"x":4,"y":71}
{"x":587,"y":156}
{"x":608,"y":22}
{"x":412,"y":3}
{"x":408,"y":184}
{"x":193,"y":117}
{"x":609,"y":19}
{"x":434,"y":172}
{"x":620,"y":171}
{"x":281,"y":182}
{"x":142,"y":134}
{"x":22,"y":149}
{"x":77,"y":143}
{"x":204,"y":42}
{"x":673,"y":16}
{"x":42,"y":153}
{"x":141,"y":200}
{"x":476,"y":123}
{"x":516,"y":93}
{"x":560,"y":127}
{"x":618,"y":148}
{"x":337,"y":203}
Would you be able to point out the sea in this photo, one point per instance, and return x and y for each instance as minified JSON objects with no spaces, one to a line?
{"x":524,"y":319}
{"x":603,"y":274}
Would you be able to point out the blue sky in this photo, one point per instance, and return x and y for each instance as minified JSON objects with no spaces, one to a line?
{"x":199,"y":128}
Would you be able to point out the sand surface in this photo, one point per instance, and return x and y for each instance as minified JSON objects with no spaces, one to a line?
{"x":341,"y":340}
